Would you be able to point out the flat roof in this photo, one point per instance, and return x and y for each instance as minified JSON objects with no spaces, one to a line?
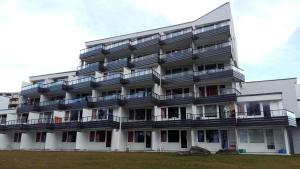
{"x":295,"y":78}
{"x":53,"y":73}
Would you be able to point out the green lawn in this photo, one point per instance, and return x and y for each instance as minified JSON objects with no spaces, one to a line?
{"x":82,"y":160}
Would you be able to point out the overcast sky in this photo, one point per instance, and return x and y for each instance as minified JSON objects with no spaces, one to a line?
{"x":45,"y":36}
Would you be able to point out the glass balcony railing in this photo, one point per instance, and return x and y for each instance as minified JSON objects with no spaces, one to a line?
{"x":113,"y":45}
{"x":211,"y":27}
{"x":180,"y":74}
{"x":146,"y":39}
{"x":155,"y":55}
{"x":83,"y":51}
{"x":32,"y":86}
{"x":81,"y":80}
{"x":266,"y":114}
{"x":140,"y":73}
{"x":78,"y":100}
{"x":213,"y":47}
{"x":178,"y":33}
{"x":51,"y":102}
{"x":109,"y":77}
{"x":88,"y":66}
{"x":176,"y":53}
{"x":211,"y":71}
{"x":174,"y":96}
{"x":58,"y":83}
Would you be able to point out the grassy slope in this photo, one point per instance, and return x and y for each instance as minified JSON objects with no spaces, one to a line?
{"x":89,"y":160}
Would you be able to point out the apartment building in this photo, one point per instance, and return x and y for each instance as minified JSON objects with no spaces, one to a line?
{"x":165,"y":89}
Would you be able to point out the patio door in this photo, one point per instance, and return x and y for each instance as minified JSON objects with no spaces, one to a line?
{"x":108,"y":138}
{"x":148,"y":139}
{"x":183,"y":137}
{"x":183,"y":113}
{"x":224,"y":139}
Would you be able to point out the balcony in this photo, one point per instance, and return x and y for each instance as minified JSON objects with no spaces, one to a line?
{"x":178,"y":79}
{"x":279,"y":117}
{"x":230,"y":73}
{"x":77,"y":103}
{"x":178,"y":99}
{"x":89,"y":68}
{"x":141,"y":99}
{"x":225,"y":95}
{"x":105,"y":101}
{"x":109,"y":81}
{"x":137,"y":124}
{"x":93,"y":53}
{"x":144,"y":77}
{"x":216,"y":53}
{"x":182,"y":56}
{"x":108,"y":121}
{"x":212,"y":33}
{"x":33,"y":90}
{"x":82,"y":84}
{"x":20,"y":124}
{"x":26,"y":107}
{"x":56,"y":88}
{"x":183,"y":37}
{"x":172,"y":121}
{"x":224,"y":119}
{"x":148,"y":44}
{"x":116,"y":64}
{"x":119,"y":48}
{"x":148,"y":60}
{"x":52,"y":105}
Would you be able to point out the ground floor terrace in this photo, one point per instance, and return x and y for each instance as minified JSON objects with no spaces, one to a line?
{"x":247,"y":140}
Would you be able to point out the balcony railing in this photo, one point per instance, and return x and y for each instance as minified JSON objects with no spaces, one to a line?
{"x":109,"y":77}
{"x":81,"y":80}
{"x":113,"y":45}
{"x":175,"y":34}
{"x":83,"y":51}
{"x":146,"y":57}
{"x":210,"y":48}
{"x":212,"y":71}
{"x":32,"y":86}
{"x":211,"y":27}
{"x":141,"y":73}
{"x":146,"y":39}
{"x":58,"y":83}
{"x":271,"y":113}
{"x":52,"y":102}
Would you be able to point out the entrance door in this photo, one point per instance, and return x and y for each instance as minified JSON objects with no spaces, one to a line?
{"x":148,"y":139}
{"x":224,"y":139}
{"x":108,"y":138}
{"x":183,"y":135}
{"x":183,"y":113}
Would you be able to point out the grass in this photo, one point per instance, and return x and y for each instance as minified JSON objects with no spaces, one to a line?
{"x":113,"y":160}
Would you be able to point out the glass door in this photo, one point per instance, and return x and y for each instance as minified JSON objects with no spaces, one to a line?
{"x":148,"y":139}
{"x":183,"y":135}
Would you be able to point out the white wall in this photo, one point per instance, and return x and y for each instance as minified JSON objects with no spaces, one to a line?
{"x":4,"y":102}
{"x":83,"y":142}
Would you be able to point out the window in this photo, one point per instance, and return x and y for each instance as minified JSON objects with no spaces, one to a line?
{"x":41,"y":137}
{"x":139,"y":136}
{"x":92,"y":136}
{"x":102,"y":113}
{"x":173,"y":136}
{"x":256,"y":135}
{"x":173,"y":112}
{"x":200,"y":136}
{"x":100,"y":136}
{"x":140,"y":114}
{"x":163,"y":136}
{"x":201,"y":91}
{"x":212,"y":90}
{"x":94,"y":113}
{"x":210,"y":67}
{"x":67,"y":115}
{"x":253,"y":108}
{"x":130,"y":136}
{"x":3,"y":119}
{"x":74,"y":115}
{"x":266,"y":109}
{"x":69,"y":136}
{"x":210,"y":110}
{"x":270,"y":139}
{"x":243,"y":134}
{"x":17,"y":137}
{"x":199,"y":112}
{"x":131,"y":114}
{"x":163,"y":113}
{"x":212,"y":136}
{"x":241,"y":108}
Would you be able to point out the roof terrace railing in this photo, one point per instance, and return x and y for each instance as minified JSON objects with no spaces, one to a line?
{"x":174,"y":34}
{"x":211,"y":27}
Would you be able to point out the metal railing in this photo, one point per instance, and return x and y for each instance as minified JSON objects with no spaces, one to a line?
{"x":145,"y":39}
{"x":138,"y":95}
{"x":270,"y":113}
{"x":106,"y":98}
{"x":155,"y":55}
{"x":58,"y":83}
{"x":51,"y":102}
{"x":81,"y":80}
{"x":31,"y":86}
{"x":174,"y":96}
{"x":211,"y":27}
{"x":180,"y":74}
{"x":78,"y":100}
{"x":164,"y":56}
{"x":213,"y":47}
{"x":141,"y":73}
{"x":178,"y":33}
{"x":109,"y":77}
{"x":88,"y":66}
{"x":113,"y":45}
{"x":82,"y":51}
{"x":212,"y":71}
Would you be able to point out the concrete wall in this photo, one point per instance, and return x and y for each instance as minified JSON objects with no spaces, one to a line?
{"x":4,"y":102}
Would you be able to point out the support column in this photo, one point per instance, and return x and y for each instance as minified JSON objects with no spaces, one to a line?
{"x":154,"y":140}
{"x":51,"y":141}
{"x":4,"y":141}
{"x":236,"y":139}
{"x":193,"y":137}
{"x":26,"y":141}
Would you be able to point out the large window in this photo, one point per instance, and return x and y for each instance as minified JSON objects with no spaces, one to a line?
{"x":97,"y":136}
{"x":163,"y":112}
{"x":243,"y":134}
{"x":212,"y":136}
{"x":210,"y":110}
{"x":130,"y":136}
{"x":163,"y":136}
{"x":253,"y":108}
{"x":139,"y":136}
{"x":200,"y":136}
{"x":270,"y":139}
{"x":173,"y":112}
{"x":17,"y":137}
{"x":212,"y":90}
{"x":40,"y":137}
{"x":173,"y":136}
{"x":256,"y":135}
{"x":140,"y":114}
{"x":3,"y":119}
{"x":69,"y":136}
